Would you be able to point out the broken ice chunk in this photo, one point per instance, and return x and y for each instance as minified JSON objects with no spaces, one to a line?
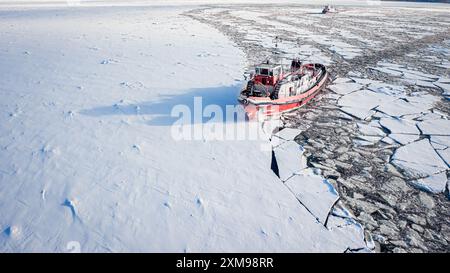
{"x":341,"y":80}
{"x":314,"y":192}
{"x":345,"y":88}
{"x":389,"y":71}
{"x":390,"y":65}
{"x":422,"y":99}
{"x":370,"y":139}
{"x":401,"y":107}
{"x":445,"y":155}
{"x":412,"y":75}
{"x":448,"y":188}
{"x":441,"y":140}
{"x":418,"y":75}
{"x":418,"y":159}
{"x":387,"y":89}
{"x":388,"y":140}
{"x":361,"y":103}
{"x":435,"y":127}
{"x":419,"y":83}
{"x":289,"y":158}
{"x":443,"y":80}
{"x":445,"y":87}
{"x":358,"y":112}
{"x":364,"y":81}
{"x":438,"y":146}
{"x":349,"y":229}
{"x":370,"y":129}
{"x":288,"y":133}
{"x":403,"y":138}
{"x":276,"y":141}
{"x":434,"y":183}
{"x":399,"y":126}
{"x":430,"y":116}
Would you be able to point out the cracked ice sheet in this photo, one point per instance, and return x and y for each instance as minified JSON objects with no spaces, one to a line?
{"x":290,"y":159}
{"x":400,"y":70}
{"x":423,"y":98}
{"x":314,"y":192}
{"x":364,"y":81}
{"x":371,"y":129}
{"x":388,"y":89}
{"x":361,"y":103}
{"x":345,"y":87}
{"x":403,"y":138}
{"x":442,"y":141}
{"x":418,"y":159}
{"x":419,"y":83}
{"x":445,"y":154}
{"x":387,"y":70}
{"x":288,"y":133}
{"x":284,"y":135}
{"x":440,"y":127}
{"x":400,"y":126}
{"x":445,"y":88}
{"x":347,"y":227}
{"x":401,"y":107}
{"x":415,"y":75}
{"x":434,"y":183}
{"x":342,"y":80}
{"x":431,"y":116}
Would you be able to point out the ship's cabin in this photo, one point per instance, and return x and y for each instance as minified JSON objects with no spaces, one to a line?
{"x":268,"y":74}
{"x":268,"y":70}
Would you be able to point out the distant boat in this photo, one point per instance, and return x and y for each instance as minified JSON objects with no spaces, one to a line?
{"x":328,"y":9}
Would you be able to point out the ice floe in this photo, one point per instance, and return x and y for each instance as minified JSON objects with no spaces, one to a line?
{"x":345,"y":87}
{"x":388,"y":89}
{"x":399,"y":126}
{"x":348,"y":227}
{"x":440,"y":127}
{"x":361,"y":103}
{"x":289,"y":159}
{"x":445,"y":88}
{"x":418,"y":159}
{"x":401,"y":107}
{"x":287,"y":133}
{"x":388,"y":71}
{"x":434,"y":183}
{"x":341,"y":80}
{"x":443,"y":141}
{"x":314,"y":192}
{"x":445,"y":155}
{"x":404,"y":138}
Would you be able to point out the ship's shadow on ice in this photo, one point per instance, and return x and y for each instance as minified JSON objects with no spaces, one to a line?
{"x":159,"y":110}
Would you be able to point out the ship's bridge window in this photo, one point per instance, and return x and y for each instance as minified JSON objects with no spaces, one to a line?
{"x":263,"y":71}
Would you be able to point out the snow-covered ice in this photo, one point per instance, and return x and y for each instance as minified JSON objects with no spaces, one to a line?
{"x":287,"y":133}
{"x":439,"y":127}
{"x":289,"y":159}
{"x":345,"y":87}
{"x":87,"y":152}
{"x":399,"y":126}
{"x":86,"y":136}
{"x":435,"y":183}
{"x":361,"y":103}
{"x":315,"y":192}
{"x":418,"y":159}
{"x":401,"y":107}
